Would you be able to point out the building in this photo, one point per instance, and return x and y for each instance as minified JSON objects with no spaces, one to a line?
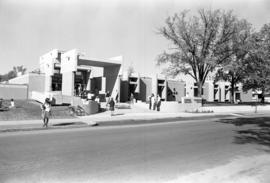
{"x":63,"y":75}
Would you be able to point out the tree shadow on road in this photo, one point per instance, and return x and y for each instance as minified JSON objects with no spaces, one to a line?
{"x":251,"y":130}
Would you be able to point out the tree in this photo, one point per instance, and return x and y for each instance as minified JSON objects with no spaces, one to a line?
{"x":201,"y":43}
{"x":13,"y":73}
{"x":234,"y":70}
{"x":130,"y":70}
{"x":259,"y":62}
{"x":19,"y":70}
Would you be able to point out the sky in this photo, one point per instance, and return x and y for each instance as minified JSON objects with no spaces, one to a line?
{"x":101,"y":28}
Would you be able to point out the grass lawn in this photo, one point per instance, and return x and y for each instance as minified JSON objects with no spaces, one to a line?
{"x":29,"y":109}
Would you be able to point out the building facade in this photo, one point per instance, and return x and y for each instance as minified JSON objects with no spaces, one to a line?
{"x":65,"y":74}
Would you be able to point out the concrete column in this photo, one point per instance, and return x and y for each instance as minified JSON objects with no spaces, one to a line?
{"x":88,"y":86}
{"x":138,"y":86}
{"x":48,"y":83}
{"x":103,"y":85}
{"x":164,"y":92}
{"x":154,"y":85}
{"x":68,"y":83}
{"x":210,"y":92}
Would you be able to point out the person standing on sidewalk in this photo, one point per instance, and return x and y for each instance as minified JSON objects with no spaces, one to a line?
{"x":158,"y":102}
{"x":46,"y":111}
{"x":153,"y":102}
{"x":150,"y":101}
{"x":107,"y":96}
{"x":112,"y":105}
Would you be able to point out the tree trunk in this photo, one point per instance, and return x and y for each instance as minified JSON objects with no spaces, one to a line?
{"x":262,"y":101}
{"x":199,"y":89}
{"x":232,"y":92}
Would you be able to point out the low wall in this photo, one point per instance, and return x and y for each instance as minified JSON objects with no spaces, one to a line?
{"x":15,"y":91}
{"x":174,"y":106}
{"x":178,"y":107}
{"x":236,"y":109}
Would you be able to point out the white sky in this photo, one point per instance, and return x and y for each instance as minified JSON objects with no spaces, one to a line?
{"x":100,"y":28}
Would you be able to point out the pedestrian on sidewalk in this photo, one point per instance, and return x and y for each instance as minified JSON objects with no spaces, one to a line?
{"x":46,"y":112}
{"x":131,"y":99}
{"x":153,"y":101}
{"x":112,"y":105}
{"x":107,"y":96}
{"x":150,"y":101}
{"x":158,"y":102}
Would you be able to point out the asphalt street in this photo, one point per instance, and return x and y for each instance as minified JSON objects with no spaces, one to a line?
{"x":141,"y":153}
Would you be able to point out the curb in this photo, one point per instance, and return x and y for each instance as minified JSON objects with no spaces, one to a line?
{"x":50,"y":127}
{"x":116,"y":122}
{"x":156,"y":120}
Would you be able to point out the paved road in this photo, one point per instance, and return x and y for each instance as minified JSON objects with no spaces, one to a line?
{"x":145,"y":153}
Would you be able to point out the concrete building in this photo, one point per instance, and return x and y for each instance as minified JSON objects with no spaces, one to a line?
{"x":216,"y":92}
{"x":64,"y":74}
{"x":141,"y":87}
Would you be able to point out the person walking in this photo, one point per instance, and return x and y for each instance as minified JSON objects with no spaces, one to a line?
{"x":158,"y":102}
{"x":79,"y":90}
{"x":46,"y":111}
{"x":131,"y":99}
{"x":150,"y":101}
{"x":112,"y":105}
{"x":153,"y":102}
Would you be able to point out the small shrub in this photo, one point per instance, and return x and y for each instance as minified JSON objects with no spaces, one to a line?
{"x":199,"y":111}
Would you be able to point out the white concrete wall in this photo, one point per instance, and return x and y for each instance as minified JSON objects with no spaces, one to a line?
{"x":47,"y":62}
{"x":68,"y":83}
{"x":69,"y":63}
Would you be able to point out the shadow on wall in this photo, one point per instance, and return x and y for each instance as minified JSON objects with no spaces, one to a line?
{"x":143,"y":92}
{"x":258,"y":131}
{"x":170,"y":95}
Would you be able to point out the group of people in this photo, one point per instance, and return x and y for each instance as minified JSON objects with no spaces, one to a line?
{"x":154,"y":102}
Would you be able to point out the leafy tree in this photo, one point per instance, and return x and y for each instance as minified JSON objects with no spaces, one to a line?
{"x":259,"y":62}
{"x":19,"y":70}
{"x":13,"y":73}
{"x":201,"y":43}
{"x":130,"y":70}
{"x":234,"y":70}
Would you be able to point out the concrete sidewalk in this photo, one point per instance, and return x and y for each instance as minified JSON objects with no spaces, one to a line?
{"x":134,"y":115}
{"x":100,"y":119}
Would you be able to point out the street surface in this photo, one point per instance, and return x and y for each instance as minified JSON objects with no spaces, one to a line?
{"x":143,"y":153}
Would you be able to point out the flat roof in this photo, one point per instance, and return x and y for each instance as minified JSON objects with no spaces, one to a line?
{"x":98,"y":63}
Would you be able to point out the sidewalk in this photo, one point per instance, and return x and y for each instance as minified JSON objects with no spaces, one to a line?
{"x":134,"y":115}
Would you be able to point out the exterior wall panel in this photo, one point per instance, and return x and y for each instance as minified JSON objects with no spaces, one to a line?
{"x":176,"y":90}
